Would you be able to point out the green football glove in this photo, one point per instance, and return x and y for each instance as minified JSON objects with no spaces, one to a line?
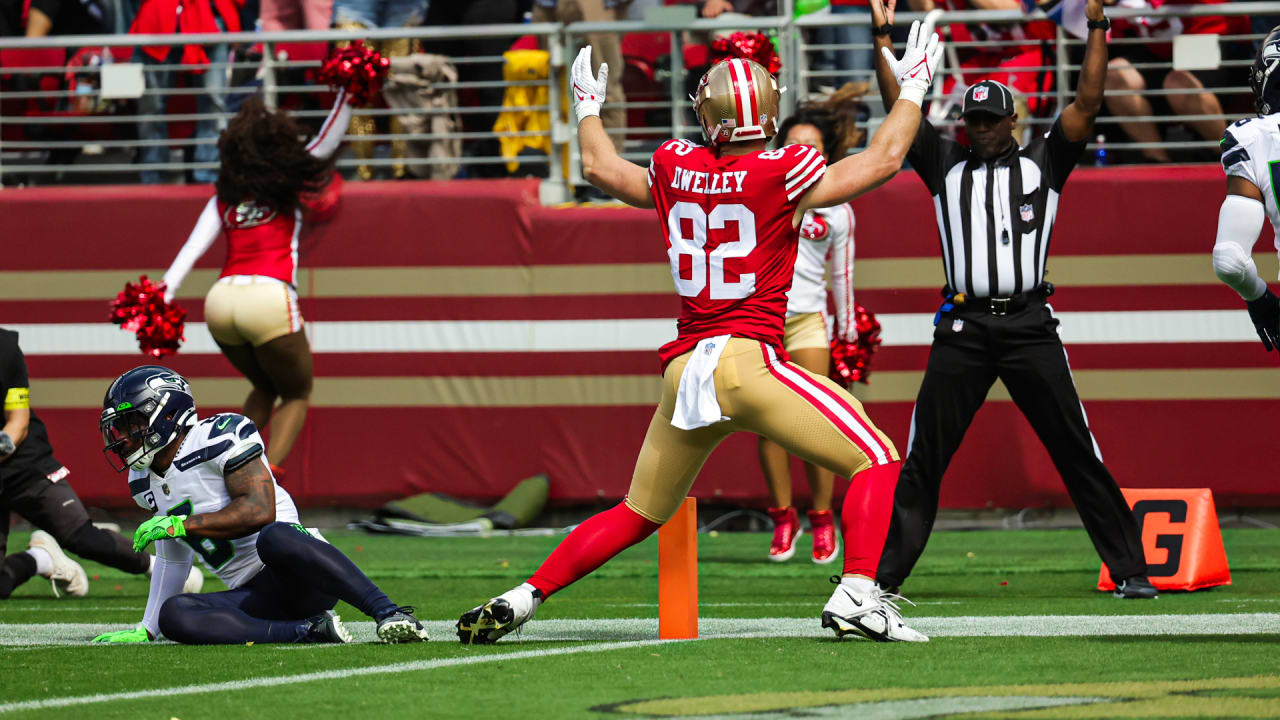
{"x":134,"y":635}
{"x":166,"y":527}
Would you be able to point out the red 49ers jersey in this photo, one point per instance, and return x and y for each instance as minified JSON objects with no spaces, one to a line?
{"x":727,"y":222}
{"x":261,"y":240}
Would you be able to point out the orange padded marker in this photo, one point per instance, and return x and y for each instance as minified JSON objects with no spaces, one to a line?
{"x":678,"y":574}
{"x":1180,"y":537}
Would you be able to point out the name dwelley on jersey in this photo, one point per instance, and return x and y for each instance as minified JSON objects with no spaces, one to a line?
{"x":715,"y":183}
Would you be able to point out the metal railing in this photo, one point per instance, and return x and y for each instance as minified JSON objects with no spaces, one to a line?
{"x":70,"y":134}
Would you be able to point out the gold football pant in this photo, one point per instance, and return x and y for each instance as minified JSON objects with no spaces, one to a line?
{"x":808,"y":415}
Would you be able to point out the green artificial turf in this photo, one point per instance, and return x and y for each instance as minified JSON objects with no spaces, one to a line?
{"x":989,"y":574}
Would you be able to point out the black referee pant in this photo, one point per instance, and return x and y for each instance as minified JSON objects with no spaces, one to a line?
{"x":971,"y":348}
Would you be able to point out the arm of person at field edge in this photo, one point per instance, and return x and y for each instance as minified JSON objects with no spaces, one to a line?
{"x":173,"y":564}
{"x":842,"y":276}
{"x":202,"y":236}
{"x":604,"y":168}
{"x":326,"y":142}
{"x":1077,"y":118}
{"x":252,"y":506}
{"x":17,"y":403}
{"x":38,"y":23}
{"x":1239,"y":222}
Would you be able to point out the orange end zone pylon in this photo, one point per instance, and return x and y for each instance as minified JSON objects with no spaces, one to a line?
{"x":678,"y":574}
{"x":1180,"y":537}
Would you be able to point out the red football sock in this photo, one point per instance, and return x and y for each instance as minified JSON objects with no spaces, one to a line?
{"x":868,"y":506}
{"x":591,"y":545}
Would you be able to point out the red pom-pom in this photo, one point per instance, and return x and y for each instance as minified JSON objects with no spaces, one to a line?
{"x":358,"y":69}
{"x":751,"y":46}
{"x":852,"y":361}
{"x":141,"y":309}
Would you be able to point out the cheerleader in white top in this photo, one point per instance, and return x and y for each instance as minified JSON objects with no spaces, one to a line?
{"x":826,"y":239}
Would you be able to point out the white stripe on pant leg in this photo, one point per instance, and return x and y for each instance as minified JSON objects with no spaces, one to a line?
{"x":841,"y":413}
{"x":911,"y":434}
{"x":1097,"y":452}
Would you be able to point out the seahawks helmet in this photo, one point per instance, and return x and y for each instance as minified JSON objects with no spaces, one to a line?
{"x":737,"y":99}
{"x":1263,"y":77}
{"x":144,"y":410}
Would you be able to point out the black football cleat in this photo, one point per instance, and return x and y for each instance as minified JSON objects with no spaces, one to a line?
{"x":401,"y":627}
{"x":326,"y":628}
{"x":1137,"y":587}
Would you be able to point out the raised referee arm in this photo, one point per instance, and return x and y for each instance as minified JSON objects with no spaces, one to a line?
{"x":856,"y":174}
{"x":1077,"y":118}
{"x":881,"y":24}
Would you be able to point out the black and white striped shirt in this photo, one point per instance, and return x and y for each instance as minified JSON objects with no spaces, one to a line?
{"x":994,"y":234}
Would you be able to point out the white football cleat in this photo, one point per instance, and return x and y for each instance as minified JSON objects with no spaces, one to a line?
{"x":485,"y":624}
{"x":66,"y":574}
{"x":862,"y":607}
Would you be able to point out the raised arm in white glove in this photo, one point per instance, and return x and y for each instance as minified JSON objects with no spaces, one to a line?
{"x":587,"y":91}
{"x":920,"y":60}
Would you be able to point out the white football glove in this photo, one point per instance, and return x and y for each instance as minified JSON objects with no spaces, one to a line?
{"x":587,"y":91}
{"x":920,"y":60}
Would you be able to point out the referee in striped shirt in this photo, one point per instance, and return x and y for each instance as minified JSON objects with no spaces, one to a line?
{"x":996,"y":203}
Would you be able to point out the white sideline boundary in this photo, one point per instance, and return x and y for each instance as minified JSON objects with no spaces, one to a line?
{"x":645,"y":629}
{"x":629,"y":633}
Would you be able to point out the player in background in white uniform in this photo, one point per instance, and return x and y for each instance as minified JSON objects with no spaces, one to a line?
{"x":213,"y":495}
{"x":1250,"y":155}
{"x":826,"y":235}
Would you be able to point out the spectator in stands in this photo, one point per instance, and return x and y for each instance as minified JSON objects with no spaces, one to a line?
{"x":478,"y":12}
{"x":713,"y":8}
{"x":1013,"y":54}
{"x":163,"y":17}
{"x":295,"y":14}
{"x":1125,"y":82}
{"x":39,"y":18}
{"x":363,"y":14}
{"x":606,"y":48}
{"x":849,"y":60}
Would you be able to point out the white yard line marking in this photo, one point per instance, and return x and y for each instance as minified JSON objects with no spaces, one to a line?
{"x":344,"y":673}
{"x":643,"y":629}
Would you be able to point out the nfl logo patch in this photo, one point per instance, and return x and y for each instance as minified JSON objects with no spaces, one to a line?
{"x":980,"y":93}
{"x":1028,"y":212}
{"x":957,"y":325}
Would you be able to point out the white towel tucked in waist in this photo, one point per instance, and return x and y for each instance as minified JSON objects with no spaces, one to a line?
{"x":696,"y":403}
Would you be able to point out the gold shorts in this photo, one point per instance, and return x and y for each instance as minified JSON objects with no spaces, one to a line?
{"x":805,"y":331}
{"x":251,"y":309}
{"x":809,"y":416}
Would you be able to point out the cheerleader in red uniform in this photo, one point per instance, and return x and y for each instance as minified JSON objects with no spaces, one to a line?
{"x":252,"y":310}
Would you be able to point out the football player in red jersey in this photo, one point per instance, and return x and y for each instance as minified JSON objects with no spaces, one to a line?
{"x":252,"y":310}
{"x":731,"y":212}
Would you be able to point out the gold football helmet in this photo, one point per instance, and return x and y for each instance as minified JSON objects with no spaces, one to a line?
{"x":737,"y":100}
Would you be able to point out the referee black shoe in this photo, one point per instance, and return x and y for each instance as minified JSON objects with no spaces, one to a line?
{"x":1136,"y":587}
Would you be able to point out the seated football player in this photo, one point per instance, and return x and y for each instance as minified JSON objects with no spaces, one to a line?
{"x":214,"y":496}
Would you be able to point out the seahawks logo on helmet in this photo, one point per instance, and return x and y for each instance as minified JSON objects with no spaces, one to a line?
{"x":1263,"y":78}
{"x":144,"y":411}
